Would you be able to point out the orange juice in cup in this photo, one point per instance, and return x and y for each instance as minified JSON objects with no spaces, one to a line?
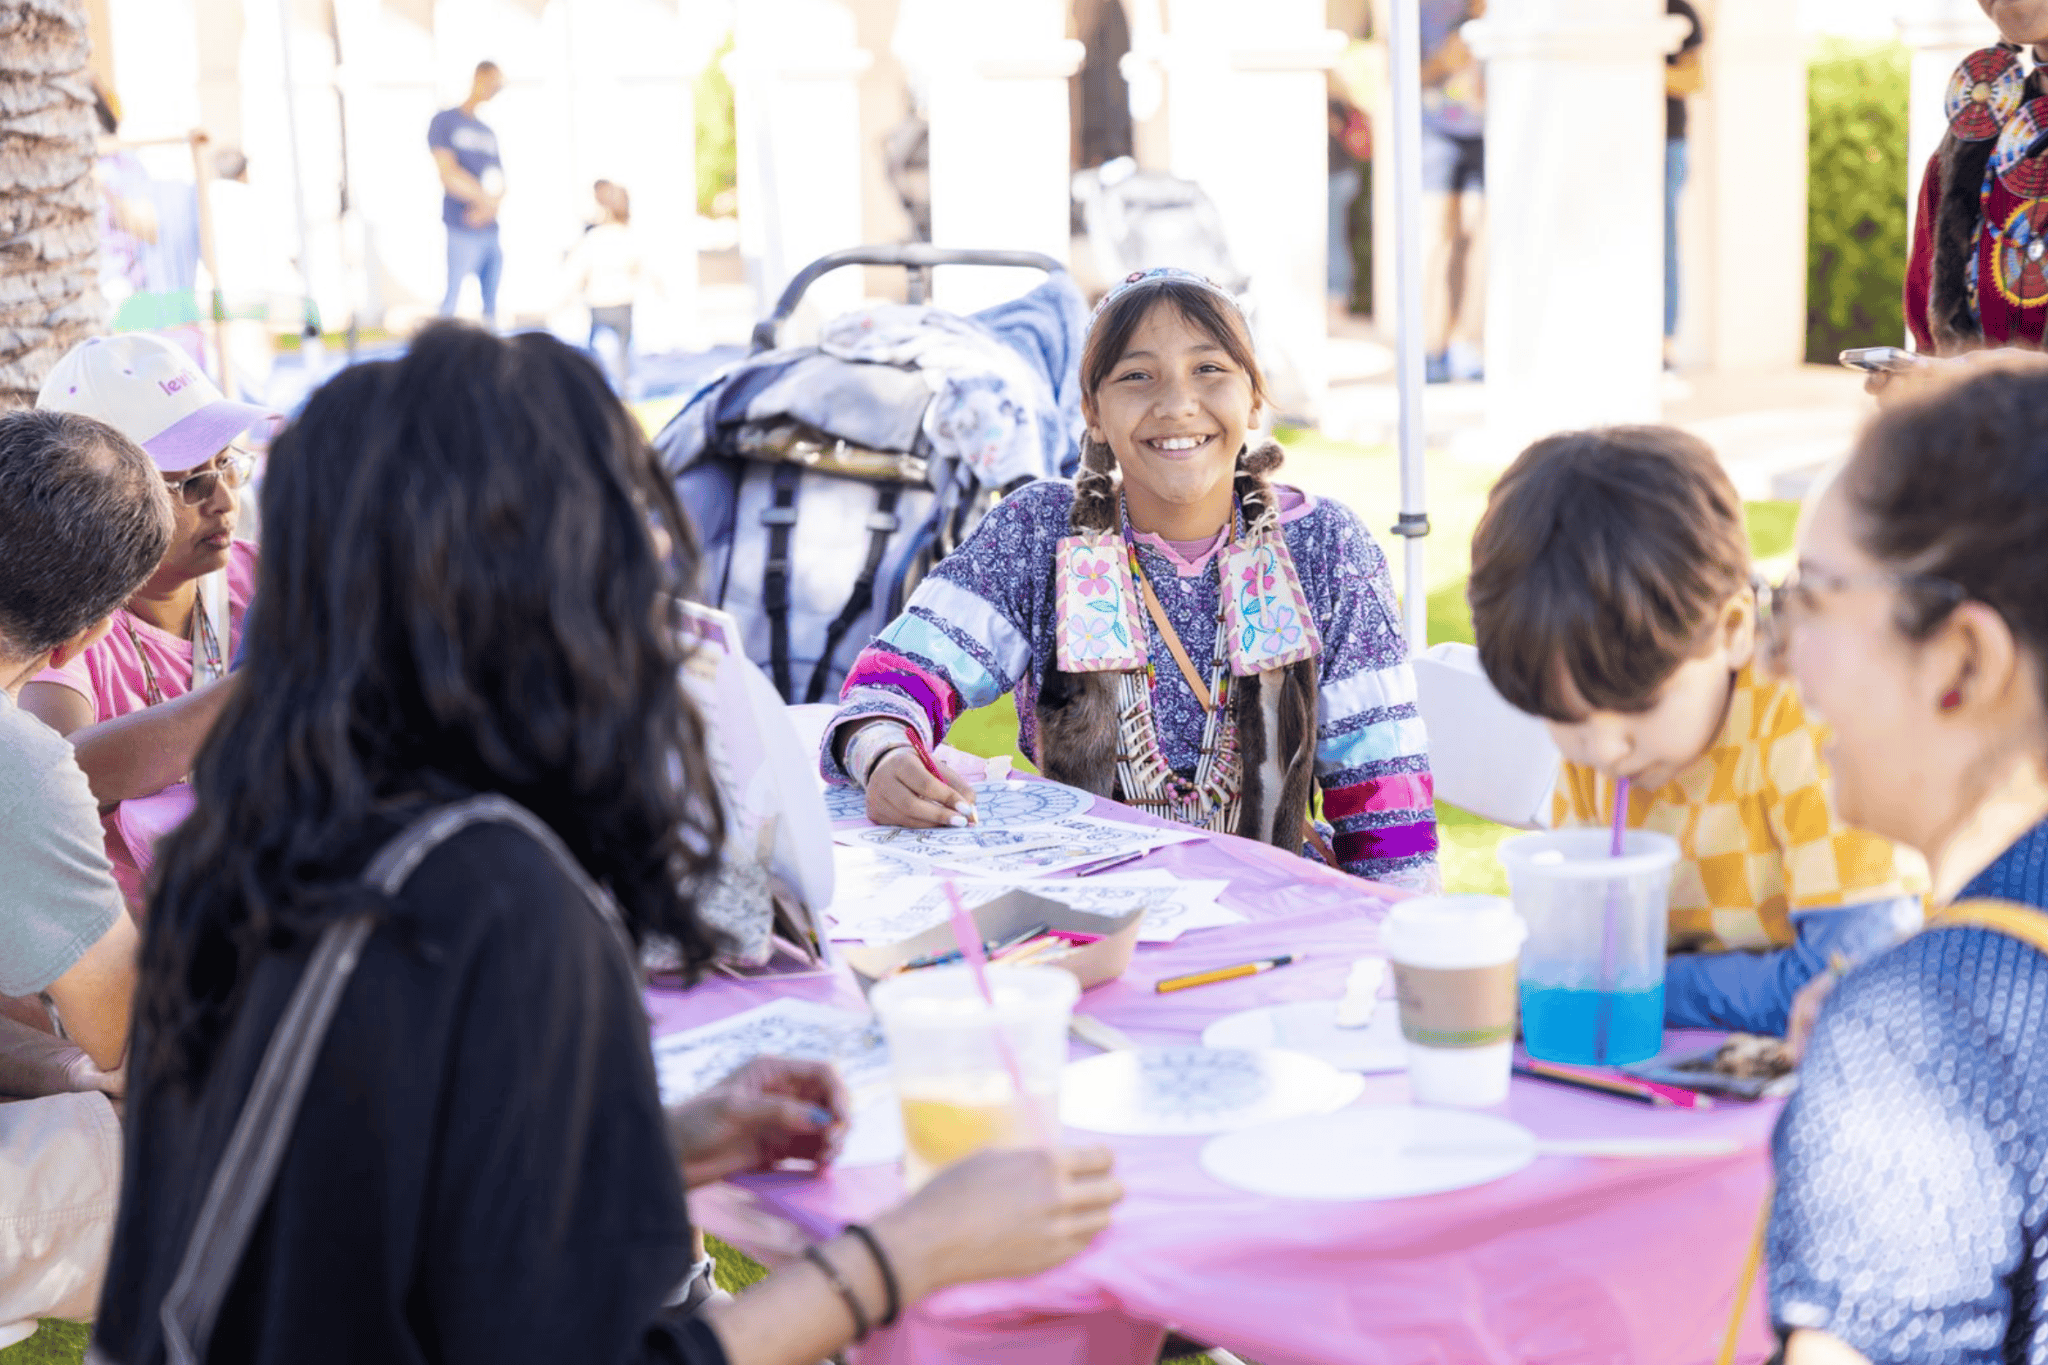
{"x":947,"y":1053}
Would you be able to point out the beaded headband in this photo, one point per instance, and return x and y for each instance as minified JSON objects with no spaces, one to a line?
{"x":1159,"y":274}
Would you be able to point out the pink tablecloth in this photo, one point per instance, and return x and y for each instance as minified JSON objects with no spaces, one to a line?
{"x":1574,"y":1260}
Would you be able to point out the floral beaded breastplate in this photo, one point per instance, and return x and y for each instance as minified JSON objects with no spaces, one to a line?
{"x":1262,"y":623}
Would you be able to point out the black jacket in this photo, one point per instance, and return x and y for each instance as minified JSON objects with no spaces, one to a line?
{"x":480,"y":1173}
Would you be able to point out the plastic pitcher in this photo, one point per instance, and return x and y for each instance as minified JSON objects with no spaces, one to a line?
{"x":1592,"y":974}
{"x":957,"y":1062}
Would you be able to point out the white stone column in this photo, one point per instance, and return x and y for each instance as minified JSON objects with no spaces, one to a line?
{"x":1746,"y":256}
{"x":1248,"y":122}
{"x":1000,"y":141}
{"x":795,"y":70}
{"x":1940,"y":33}
{"x":1575,"y":212}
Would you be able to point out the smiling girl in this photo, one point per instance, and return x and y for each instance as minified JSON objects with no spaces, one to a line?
{"x":1182,"y":634}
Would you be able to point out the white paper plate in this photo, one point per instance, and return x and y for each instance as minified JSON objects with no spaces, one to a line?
{"x":1310,"y":1026}
{"x":1376,"y":1151}
{"x":1186,"y":1091}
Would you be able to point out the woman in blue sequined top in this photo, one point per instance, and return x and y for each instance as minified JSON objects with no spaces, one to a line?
{"x":1911,"y":1220}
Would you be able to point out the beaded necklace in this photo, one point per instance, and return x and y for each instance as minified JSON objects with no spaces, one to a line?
{"x":1208,"y":800}
{"x":208,"y":660}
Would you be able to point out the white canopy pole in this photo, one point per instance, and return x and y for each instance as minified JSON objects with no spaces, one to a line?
{"x":1404,"y":60}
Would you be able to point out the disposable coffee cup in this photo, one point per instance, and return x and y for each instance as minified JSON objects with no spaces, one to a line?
{"x":1454,"y":970}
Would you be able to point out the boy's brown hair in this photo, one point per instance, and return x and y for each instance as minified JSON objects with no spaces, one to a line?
{"x":1601,"y":565}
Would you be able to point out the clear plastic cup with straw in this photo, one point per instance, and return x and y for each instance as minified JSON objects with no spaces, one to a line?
{"x":972,"y":1072}
{"x":1592,"y":971}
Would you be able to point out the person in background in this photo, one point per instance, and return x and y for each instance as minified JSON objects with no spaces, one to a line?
{"x":473,"y":186}
{"x":1611,"y":595}
{"x":1454,"y":193}
{"x":137,"y":703}
{"x":1350,"y":154}
{"x":83,"y":520}
{"x":472,"y":594}
{"x":605,"y":270}
{"x":1909,"y":1226}
{"x":1684,"y":75}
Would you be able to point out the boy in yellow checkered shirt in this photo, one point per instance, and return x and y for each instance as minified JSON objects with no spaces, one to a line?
{"x":1611,"y":595}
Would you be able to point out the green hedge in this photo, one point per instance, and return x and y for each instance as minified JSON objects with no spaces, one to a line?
{"x":1856,"y":196}
{"x":717,"y":147}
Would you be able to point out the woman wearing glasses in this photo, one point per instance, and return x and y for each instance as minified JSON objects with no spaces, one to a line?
{"x":1911,"y":1222}
{"x":137,"y":704}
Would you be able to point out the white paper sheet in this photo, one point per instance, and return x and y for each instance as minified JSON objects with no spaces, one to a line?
{"x":694,"y":1060}
{"x":998,"y":804}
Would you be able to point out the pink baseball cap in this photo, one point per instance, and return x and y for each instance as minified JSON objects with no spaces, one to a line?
{"x":153,"y":393}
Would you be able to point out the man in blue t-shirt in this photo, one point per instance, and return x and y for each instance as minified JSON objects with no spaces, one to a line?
{"x":473,"y":183}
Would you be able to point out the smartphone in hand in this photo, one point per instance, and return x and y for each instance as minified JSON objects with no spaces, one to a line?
{"x":1881,"y":359}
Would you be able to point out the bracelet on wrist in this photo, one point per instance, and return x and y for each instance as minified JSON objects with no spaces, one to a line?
{"x":838,"y":1282}
{"x":895,"y":1296}
{"x":874,"y":742}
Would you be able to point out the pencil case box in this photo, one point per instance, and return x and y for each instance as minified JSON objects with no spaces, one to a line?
{"x":1004,"y":917}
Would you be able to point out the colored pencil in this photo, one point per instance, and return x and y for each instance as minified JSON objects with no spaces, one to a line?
{"x":1621,"y":1086}
{"x":1214,"y":974}
{"x":931,"y":765}
{"x":991,"y":947}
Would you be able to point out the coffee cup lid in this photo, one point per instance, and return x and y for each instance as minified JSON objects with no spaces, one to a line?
{"x":1453,"y":931}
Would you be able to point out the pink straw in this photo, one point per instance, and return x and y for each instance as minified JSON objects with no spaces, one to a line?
{"x":1620,"y":816}
{"x":968,"y":935}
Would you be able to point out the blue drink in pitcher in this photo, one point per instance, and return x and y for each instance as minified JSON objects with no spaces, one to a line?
{"x":1592,"y":970}
{"x":1564,"y":1024}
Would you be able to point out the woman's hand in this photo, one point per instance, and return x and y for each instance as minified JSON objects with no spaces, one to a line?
{"x":1806,"y":1009}
{"x":901,"y":792}
{"x":771,"y":1110}
{"x":999,"y":1215}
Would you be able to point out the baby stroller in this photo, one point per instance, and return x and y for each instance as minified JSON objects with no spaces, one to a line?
{"x":826,"y":480}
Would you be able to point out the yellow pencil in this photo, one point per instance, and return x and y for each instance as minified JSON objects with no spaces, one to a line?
{"x":1214,"y":974}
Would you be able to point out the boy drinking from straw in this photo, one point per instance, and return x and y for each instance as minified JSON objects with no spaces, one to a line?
{"x":1611,"y":595}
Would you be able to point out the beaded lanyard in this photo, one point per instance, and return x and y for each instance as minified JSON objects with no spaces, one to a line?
{"x":1208,"y":800}
{"x":206,"y":652}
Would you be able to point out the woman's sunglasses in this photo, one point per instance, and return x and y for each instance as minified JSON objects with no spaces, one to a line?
{"x":234,"y":469}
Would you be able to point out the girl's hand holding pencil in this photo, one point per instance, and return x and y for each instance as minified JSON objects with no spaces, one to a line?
{"x":911,"y":789}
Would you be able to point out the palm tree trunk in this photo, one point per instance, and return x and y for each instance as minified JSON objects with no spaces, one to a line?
{"x":49,"y":205}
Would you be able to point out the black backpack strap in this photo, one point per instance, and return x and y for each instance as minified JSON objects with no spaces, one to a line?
{"x":248,"y":1165}
{"x":883,"y":524}
{"x":780,"y":519}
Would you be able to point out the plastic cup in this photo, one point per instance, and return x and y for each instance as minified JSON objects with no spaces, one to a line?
{"x":1592,"y":976}
{"x":1454,"y":970}
{"x":947,"y":1050}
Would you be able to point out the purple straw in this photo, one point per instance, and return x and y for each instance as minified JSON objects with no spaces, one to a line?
{"x":1604,"y":1018}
